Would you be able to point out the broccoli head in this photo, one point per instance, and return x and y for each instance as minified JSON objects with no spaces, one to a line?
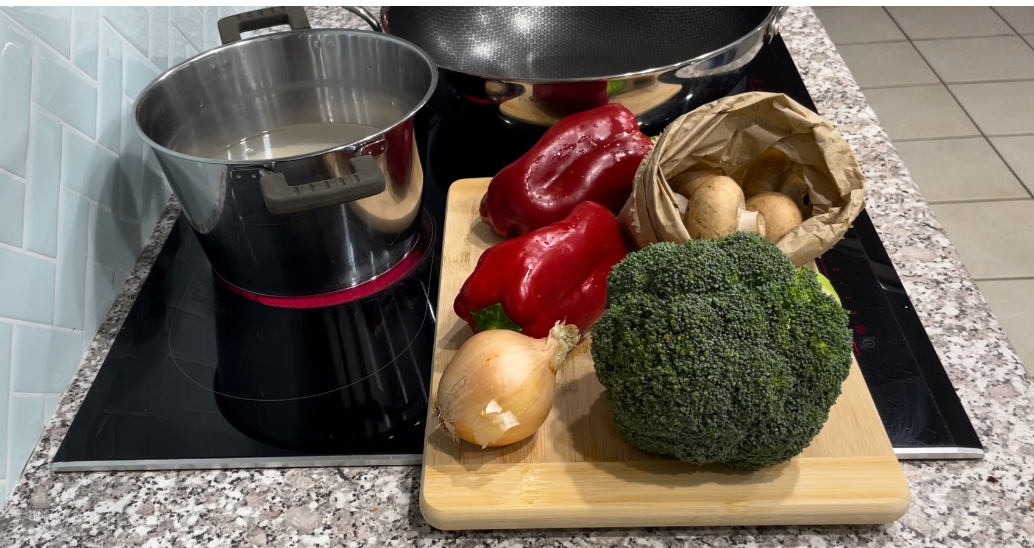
{"x":720,"y":351}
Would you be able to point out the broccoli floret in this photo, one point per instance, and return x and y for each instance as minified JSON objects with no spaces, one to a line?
{"x":720,"y":351}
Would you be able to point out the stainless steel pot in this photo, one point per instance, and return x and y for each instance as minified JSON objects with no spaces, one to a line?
{"x":529,"y":66}
{"x":293,"y":154}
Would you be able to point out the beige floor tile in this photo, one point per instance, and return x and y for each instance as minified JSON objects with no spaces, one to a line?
{"x":994,"y":239}
{"x":948,"y":21}
{"x":1020,"y":17}
{"x":1012,"y":302}
{"x":1030,"y":39}
{"x":1017,"y":152}
{"x":959,"y":169}
{"x":979,"y":59}
{"x":856,"y":25}
{"x":887,"y":64}
{"x":1005,"y":108}
{"x":921,"y":112}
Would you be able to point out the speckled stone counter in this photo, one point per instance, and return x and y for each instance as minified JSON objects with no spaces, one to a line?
{"x":985,"y":503}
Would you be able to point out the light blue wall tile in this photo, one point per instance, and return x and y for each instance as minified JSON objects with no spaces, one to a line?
{"x":85,"y":21}
{"x":99,"y":294}
{"x":52,"y":24}
{"x":49,"y":406}
{"x":150,"y":160}
{"x":191,"y":51}
{"x":61,"y":90}
{"x":210,"y":28}
{"x":6,"y":331}
{"x":177,"y":47}
{"x":89,"y":169}
{"x":26,"y":287}
{"x":137,"y":73}
{"x":188,"y":20}
{"x":114,"y":241}
{"x":153,"y":200}
{"x":12,"y":209}
{"x":109,"y":84}
{"x":159,"y":50}
{"x":16,"y":75}
{"x":131,"y":165}
{"x":44,"y":360}
{"x":131,"y":22}
{"x":43,"y":185}
{"x":25,"y":428}
{"x":73,"y":241}
{"x":3,"y":494}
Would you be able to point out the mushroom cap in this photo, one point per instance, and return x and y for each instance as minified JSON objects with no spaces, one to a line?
{"x":781,"y":213}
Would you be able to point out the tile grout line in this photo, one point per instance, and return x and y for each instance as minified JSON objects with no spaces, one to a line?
{"x":126,"y":42}
{"x":106,"y":208}
{"x":1008,"y":24}
{"x":959,"y":103}
{"x":977,"y":200}
{"x":75,"y":68}
{"x":57,"y":243}
{"x":27,"y":253}
{"x":1002,"y":278}
{"x":942,"y":82}
{"x":37,"y":325}
{"x":33,"y":71}
{"x":65,"y":125}
{"x":19,"y":178}
{"x":7,"y":435}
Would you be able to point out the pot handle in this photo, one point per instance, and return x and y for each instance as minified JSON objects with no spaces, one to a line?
{"x":231,"y":27}
{"x":773,"y":27}
{"x":281,"y":198}
{"x":365,"y":15}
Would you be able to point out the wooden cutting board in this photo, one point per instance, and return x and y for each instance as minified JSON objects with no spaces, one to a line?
{"x":576,"y":471}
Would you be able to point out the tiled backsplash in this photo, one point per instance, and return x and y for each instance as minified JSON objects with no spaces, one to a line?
{"x":79,"y":190}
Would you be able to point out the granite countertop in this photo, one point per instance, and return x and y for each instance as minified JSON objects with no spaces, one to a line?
{"x":978,"y":503}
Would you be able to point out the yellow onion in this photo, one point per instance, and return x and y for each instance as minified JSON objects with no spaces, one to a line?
{"x":498,"y":389}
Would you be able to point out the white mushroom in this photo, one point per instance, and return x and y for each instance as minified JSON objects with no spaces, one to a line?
{"x":766,"y":173}
{"x":781,"y":213}
{"x":717,"y":209}
{"x":797,"y":190}
{"x":687,"y":182}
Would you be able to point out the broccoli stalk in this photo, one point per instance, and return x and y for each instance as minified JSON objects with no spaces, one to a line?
{"x":719,"y":351}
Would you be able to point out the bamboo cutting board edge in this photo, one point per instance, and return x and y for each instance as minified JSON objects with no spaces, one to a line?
{"x":574,"y":473}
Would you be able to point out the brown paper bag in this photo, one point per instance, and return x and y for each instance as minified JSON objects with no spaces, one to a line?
{"x":724,"y":136}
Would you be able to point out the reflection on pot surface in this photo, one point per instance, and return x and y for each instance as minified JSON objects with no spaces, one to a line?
{"x":366,"y":381}
{"x":274,"y":143}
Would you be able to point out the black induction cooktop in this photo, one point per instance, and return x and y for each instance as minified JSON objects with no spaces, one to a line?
{"x":157,"y":401}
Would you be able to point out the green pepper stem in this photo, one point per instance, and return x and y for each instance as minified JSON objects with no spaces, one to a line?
{"x":493,"y":317}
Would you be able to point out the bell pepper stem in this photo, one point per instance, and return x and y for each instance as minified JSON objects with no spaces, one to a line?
{"x":493,"y":317}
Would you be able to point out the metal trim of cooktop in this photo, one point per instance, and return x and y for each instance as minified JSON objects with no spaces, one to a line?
{"x":938,"y":453}
{"x":236,"y":463}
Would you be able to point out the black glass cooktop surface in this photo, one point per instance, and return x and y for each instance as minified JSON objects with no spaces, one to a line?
{"x":200,"y":377}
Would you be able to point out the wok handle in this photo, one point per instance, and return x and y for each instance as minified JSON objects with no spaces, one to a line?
{"x":231,"y":27}
{"x":773,"y":27}
{"x":281,"y":198}
{"x":365,"y":15}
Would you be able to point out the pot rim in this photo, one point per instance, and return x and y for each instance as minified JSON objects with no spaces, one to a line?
{"x":352,"y":147}
{"x":773,"y":17}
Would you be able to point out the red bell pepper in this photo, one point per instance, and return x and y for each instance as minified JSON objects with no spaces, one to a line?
{"x":556,"y":273}
{"x":588,"y":156}
{"x":576,"y":96}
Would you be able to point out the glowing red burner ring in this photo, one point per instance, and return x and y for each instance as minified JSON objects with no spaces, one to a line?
{"x":407,"y":265}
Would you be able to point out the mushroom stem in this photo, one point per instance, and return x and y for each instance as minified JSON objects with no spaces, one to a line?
{"x":752,"y":221}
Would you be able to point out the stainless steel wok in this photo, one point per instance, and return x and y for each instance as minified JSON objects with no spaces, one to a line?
{"x":533,"y":65}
